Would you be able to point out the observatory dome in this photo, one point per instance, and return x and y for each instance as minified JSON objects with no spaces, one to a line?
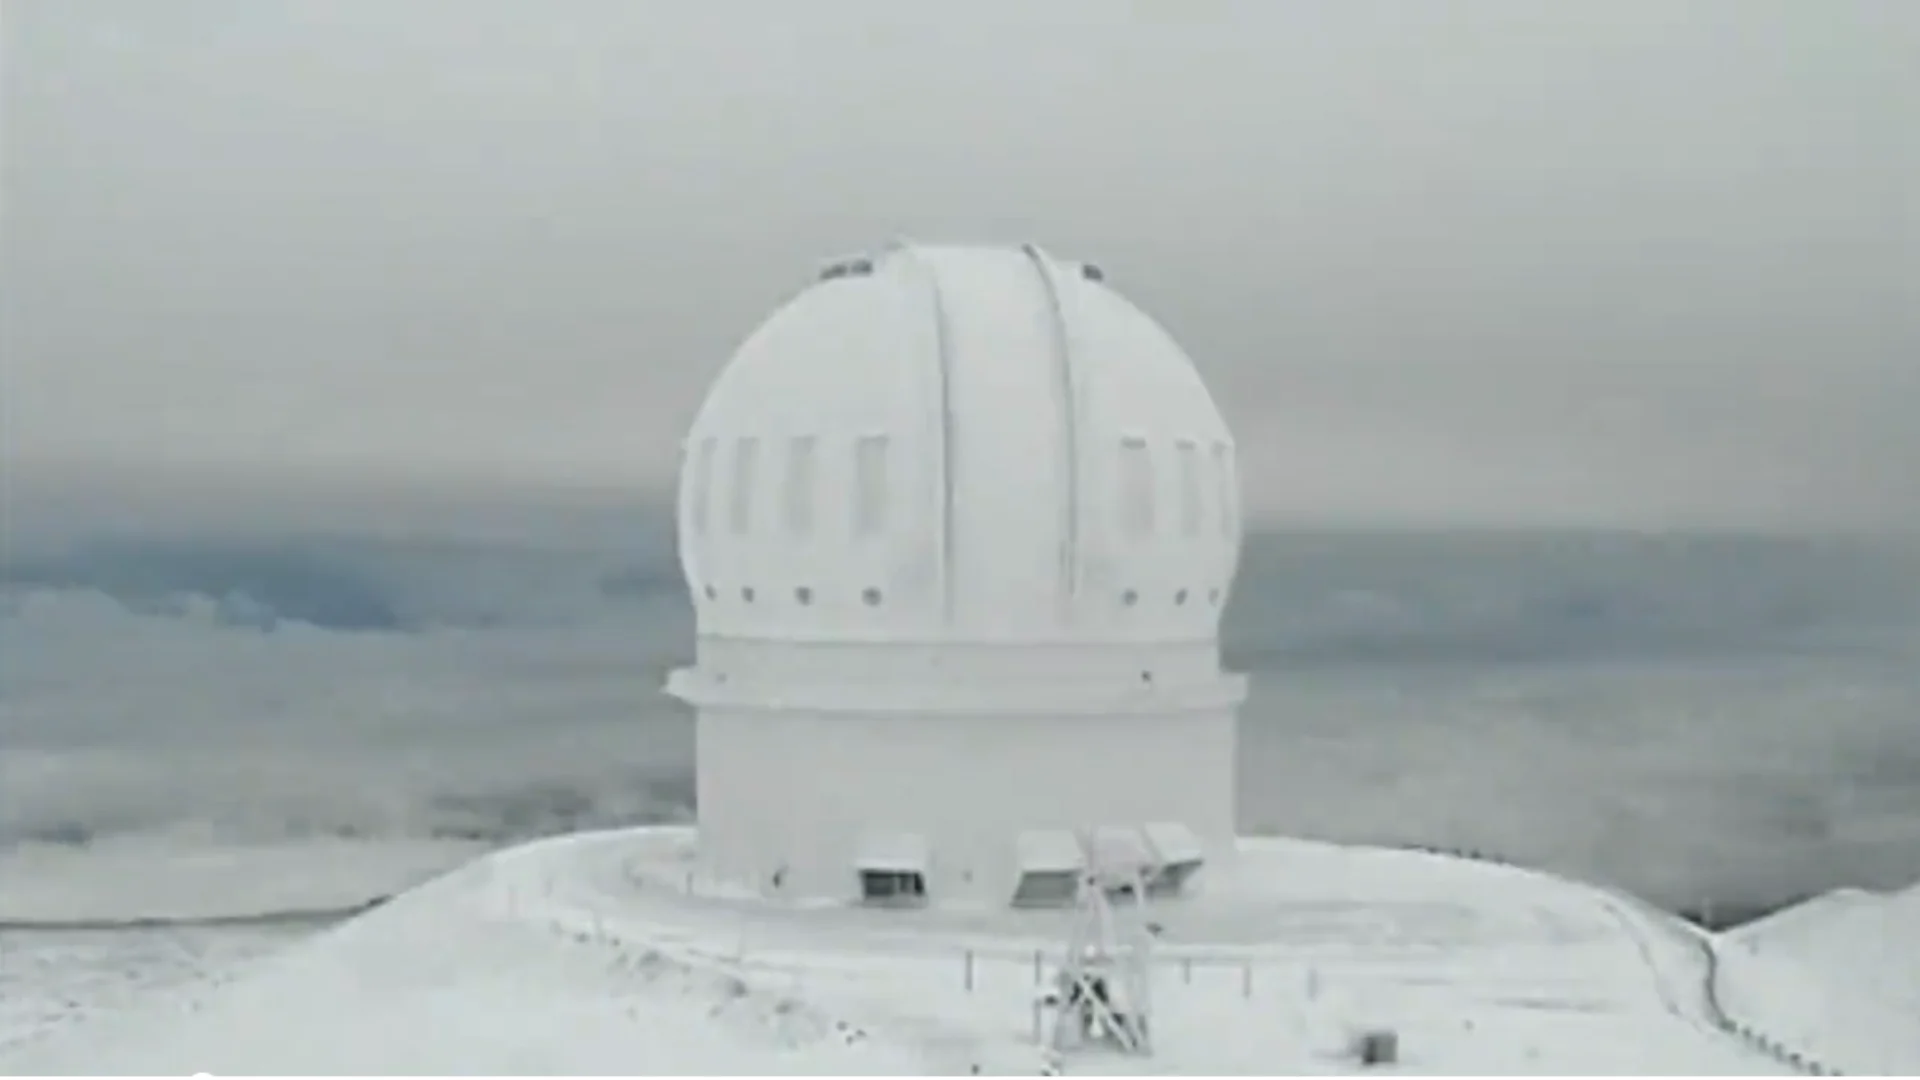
{"x":959,"y":523}
{"x":936,"y":443}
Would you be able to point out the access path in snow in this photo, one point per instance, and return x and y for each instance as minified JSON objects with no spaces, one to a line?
{"x":1480,"y":968}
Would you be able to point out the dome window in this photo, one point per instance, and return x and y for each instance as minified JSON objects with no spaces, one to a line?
{"x":870,"y":596}
{"x":746,"y":593}
{"x":1180,"y":597}
{"x":1223,"y":482}
{"x":870,"y":484}
{"x":746,"y":466}
{"x":798,"y":491}
{"x":1188,"y":453}
{"x":712,"y":593}
{"x":1092,"y":272}
{"x":1130,"y":597}
{"x":803,"y":594}
{"x":701,"y":493}
{"x":1136,"y":486}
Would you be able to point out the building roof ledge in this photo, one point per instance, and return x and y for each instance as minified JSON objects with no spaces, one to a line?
{"x":711,"y":689}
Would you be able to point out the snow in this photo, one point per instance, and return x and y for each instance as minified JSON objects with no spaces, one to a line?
{"x":893,"y":851}
{"x":1796,"y":925}
{"x":459,"y":978}
{"x":1835,"y":979}
{"x":1173,"y":843}
{"x":1049,"y":850}
{"x":51,"y":980}
{"x":585,"y":954}
{"x":66,"y":884}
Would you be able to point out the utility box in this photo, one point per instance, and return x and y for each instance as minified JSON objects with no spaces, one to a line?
{"x":1377,"y":1048}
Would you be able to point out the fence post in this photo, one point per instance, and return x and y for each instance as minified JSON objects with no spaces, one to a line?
{"x":969,"y":971}
{"x":1036,"y":967}
{"x":1186,"y":969}
{"x":1246,"y":978}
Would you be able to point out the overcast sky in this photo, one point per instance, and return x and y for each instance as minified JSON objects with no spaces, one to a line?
{"x":1622,"y":261}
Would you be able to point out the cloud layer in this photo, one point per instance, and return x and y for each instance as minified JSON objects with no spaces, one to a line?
{"x":1691,"y":715}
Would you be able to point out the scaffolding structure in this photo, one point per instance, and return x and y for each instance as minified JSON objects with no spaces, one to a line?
{"x":1103,"y":994}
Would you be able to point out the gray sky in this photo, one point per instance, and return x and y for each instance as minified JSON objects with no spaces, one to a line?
{"x":1624,"y":261}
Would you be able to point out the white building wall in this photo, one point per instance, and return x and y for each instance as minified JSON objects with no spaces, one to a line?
{"x":1006,"y":675}
{"x":794,"y":793}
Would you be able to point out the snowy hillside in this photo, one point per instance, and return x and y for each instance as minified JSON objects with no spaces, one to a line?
{"x":389,"y":991}
{"x":585,"y":955}
{"x":1836,"y":979}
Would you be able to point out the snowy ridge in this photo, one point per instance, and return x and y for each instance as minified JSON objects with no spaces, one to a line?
{"x":466,"y":952}
{"x":1840,"y":981}
{"x":585,"y":954}
{"x":1796,"y":921}
{"x":1708,"y":949}
{"x":277,"y":917}
{"x":187,"y":881}
{"x":1795,"y":977}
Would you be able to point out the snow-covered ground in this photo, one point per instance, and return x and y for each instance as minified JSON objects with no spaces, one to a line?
{"x":585,"y":955}
{"x":53,"y":980}
{"x":64,"y":884}
{"x":1835,"y":979}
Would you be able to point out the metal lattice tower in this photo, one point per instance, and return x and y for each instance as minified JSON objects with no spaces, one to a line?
{"x":1103,"y":994}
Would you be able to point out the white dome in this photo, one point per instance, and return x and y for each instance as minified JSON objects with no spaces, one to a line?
{"x":959,"y":524}
{"x":941,"y":444}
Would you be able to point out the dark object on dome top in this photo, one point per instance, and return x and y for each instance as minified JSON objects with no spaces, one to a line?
{"x":860,"y":266}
